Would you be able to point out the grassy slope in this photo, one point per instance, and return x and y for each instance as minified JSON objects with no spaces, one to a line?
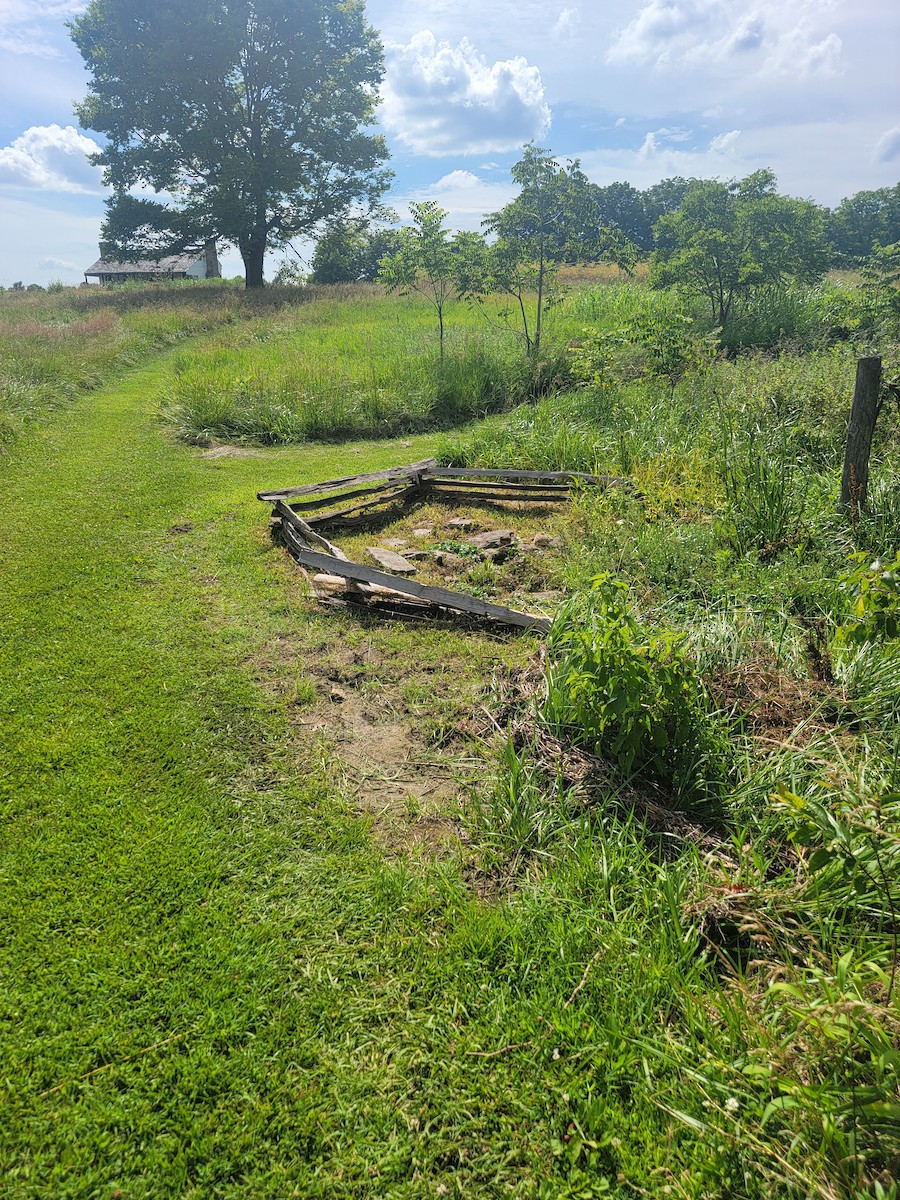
{"x":130,"y":912}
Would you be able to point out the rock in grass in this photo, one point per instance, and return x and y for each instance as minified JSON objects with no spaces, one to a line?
{"x":493,"y":539}
{"x":395,"y":563}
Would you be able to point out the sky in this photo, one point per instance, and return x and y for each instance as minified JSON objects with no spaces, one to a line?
{"x":638,"y":90}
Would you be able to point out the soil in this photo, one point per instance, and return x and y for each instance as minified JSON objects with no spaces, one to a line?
{"x":216,"y":451}
{"x":770,"y":702}
{"x":382,"y":753}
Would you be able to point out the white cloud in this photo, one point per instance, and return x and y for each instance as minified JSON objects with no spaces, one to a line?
{"x":456,"y":181}
{"x":777,"y":37}
{"x":445,"y":99}
{"x":662,"y":31}
{"x":888,"y":145}
{"x":465,"y":197}
{"x":25,"y":25}
{"x":567,"y":23}
{"x":57,"y":264}
{"x":723,"y":143}
{"x":52,"y":158}
{"x":657,"y":140}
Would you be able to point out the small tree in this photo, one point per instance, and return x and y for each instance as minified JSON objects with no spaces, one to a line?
{"x":556,"y":217}
{"x":727,"y":239}
{"x":423,"y":261}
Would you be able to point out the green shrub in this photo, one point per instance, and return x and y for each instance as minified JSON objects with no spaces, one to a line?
{"x":625,"y":692}
{"x":874,"y":592}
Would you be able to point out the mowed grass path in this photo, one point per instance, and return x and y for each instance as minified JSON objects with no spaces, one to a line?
{"x":163,"y":983}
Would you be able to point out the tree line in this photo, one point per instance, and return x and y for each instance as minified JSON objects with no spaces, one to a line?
{"x":637,"y":223}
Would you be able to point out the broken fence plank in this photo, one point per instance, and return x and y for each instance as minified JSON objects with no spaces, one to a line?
{"x":421,"y":591}
{"x":536,"y":497}
{"x":384,"y":498}
{"x":486,"y":485}
{"x":512,"y":475}
{"x":331,"y":485}
{"x":312,"y":537}
{"x":302,"y":505}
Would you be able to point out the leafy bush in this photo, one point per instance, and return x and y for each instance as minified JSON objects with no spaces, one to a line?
{"x":623,"y":691}
{"x":655,"y":345}
{"x":874,"y":591}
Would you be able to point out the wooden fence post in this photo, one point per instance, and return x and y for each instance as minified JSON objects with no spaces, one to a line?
{"x":863,"y":416}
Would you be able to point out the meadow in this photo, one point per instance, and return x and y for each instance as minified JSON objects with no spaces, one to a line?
{"x":639,"y":938}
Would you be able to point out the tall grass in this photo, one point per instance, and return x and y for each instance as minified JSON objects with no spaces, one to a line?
{"x":372,"y":371}
{"x":54,"y":346}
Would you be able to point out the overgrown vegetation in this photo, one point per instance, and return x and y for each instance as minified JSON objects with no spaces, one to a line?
{"x":55,"y":345}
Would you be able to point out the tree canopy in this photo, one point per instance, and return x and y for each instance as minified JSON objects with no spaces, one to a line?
{"x":350,"y":251}
{"x":249,"y":116}
{"x":861,"y":221}
{"x":726,"y":239}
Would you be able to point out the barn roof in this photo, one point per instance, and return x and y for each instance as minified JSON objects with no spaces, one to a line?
{"x":171,"y":265}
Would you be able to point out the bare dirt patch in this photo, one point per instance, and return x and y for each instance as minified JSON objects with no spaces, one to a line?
{"x":392,"y":704}
{"x":771,"y":703}
{"x":217,"y":451}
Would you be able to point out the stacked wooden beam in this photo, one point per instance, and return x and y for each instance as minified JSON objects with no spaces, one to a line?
{"x":300,"y":514}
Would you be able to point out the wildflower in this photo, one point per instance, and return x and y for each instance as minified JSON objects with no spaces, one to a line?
{"x":732,"y":1104}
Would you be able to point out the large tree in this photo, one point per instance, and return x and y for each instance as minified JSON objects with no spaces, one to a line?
{"x":727,"y":239}
{"x":250,"y":115}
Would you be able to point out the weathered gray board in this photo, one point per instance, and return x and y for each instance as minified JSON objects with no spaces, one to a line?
{"x":333,"y":485}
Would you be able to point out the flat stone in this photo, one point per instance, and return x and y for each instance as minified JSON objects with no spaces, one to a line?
{"x":544,"y":539}
{"x":492,"y":539}
{"x":425,"y":532}
{"x":460,"y":523}
{"x":395,"y":563}
{"x":415,"y":555}
{"x":395,"y":543}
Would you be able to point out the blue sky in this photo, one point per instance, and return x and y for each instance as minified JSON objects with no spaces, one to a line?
{"x":637,"y":89}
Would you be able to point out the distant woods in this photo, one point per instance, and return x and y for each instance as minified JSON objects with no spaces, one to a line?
{"x":618,"y":222}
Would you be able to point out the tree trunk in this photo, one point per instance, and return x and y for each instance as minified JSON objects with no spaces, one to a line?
{"x":863,"y":416}
{"x":253,"y":252}
{"x":540,"y":305}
